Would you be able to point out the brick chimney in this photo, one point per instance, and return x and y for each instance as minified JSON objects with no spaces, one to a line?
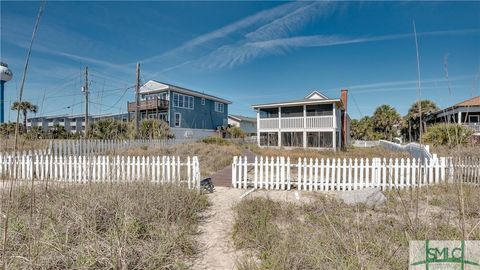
{"x":344,"y":98}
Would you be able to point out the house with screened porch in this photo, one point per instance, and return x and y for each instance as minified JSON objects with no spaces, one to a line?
{"x":316,"y":122}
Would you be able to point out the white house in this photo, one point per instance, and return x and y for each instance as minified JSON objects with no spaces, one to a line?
{"x":315,"y":121}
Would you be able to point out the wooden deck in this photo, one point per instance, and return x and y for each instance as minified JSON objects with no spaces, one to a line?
{"x":223,"y":178}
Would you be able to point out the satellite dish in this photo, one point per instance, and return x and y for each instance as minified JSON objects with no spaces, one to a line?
{"x":5,"y":73}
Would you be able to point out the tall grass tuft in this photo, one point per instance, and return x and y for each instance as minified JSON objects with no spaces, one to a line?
{"x":328,"y":234}
{"x":104,"y":226}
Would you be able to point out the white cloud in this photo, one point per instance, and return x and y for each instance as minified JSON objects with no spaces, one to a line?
{"x":231,"y":55}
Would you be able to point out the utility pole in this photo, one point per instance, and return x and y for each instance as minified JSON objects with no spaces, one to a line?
{"x":85,"y":91}
{"x":137,"y":102}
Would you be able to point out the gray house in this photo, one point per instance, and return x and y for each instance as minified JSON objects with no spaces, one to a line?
{"x":187,"y":111}
{"x":247,"y":124}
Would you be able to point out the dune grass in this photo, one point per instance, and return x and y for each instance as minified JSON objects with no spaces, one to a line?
{"x":212,"y":157}
{"x":328,"y":234}
{"x":351,"y":152}
{"x":103,"y":226}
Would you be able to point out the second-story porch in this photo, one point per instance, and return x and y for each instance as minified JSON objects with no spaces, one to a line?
{"x":305,"y":117}
{"x":151,"y":104}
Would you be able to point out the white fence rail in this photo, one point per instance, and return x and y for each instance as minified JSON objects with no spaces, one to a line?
{"x":360,"y":143}
{"x":345,"y":174}
{"x":115,"y":169}
{"x":416,"y":150}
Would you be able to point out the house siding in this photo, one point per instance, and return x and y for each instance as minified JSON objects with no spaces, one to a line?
{"x":201,"y":116}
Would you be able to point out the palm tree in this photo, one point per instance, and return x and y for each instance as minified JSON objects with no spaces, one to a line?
{"x":413,"y":116}
{"x":386,"y":120}
{"x":25,"y":107}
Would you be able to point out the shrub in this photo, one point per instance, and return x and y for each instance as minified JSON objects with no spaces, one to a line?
{"x":215,"y":140}
{"x":108,"y":129}
{"x":448,"y":134}
{"x":236,"y":132}
{"x":155,"y":129}
{"x":35,"y":133}
{"x":8,"y":130}
{"x":59,"y":132}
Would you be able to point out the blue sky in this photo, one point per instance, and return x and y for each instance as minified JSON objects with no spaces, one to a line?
{"x":247,"y":52}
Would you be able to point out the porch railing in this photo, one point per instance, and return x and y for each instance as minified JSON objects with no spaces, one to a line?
{"x":474,"y":126}
{"x":309,"y":122}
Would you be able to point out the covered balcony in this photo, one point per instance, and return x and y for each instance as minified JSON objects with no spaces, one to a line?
{"x":152,"y":104}
{"x":308,"y":117}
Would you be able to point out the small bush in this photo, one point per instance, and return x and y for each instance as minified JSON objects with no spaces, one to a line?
{"x":236,"y":132}
{"x":450,"y":135}
{"x":155,"y":129}
{"x":215,"y":140}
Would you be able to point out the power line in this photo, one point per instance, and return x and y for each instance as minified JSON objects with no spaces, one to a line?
{"x":116,"y":102}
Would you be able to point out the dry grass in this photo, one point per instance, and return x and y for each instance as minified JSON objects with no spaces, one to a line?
{"x":328,"y":234}
{"x":460,"y":151}
{"x":6,"y":145}
{"x":102,"y":226}
{"x":349,"y":153}
{"x":212,"y":157}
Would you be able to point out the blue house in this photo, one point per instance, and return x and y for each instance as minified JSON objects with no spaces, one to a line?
{"x":182,"y":108}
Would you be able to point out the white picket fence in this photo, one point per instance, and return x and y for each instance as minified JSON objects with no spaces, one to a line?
{"x":339,"y":174}
{"x":115,"y":169}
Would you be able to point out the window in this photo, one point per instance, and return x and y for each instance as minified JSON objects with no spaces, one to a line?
{"x":178,"y":120}
{"x":319,"y":139}
{"x":163,"y":116}
{"x":473,"y":118}
{"x":182,"y":101}
{"x":219,"y":107}
{"x":319,"y":110}
{"x":292,"y":111}
{"x":292,"y":139}
{"x":203,"y":101}
{"x":269,"y":113}
{"x":269,"y":139}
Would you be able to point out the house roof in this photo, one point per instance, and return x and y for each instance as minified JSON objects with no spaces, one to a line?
{"x":153,"y":86}
{"x":314,"y":97}
{"x":472,"y":102}
{"x":241,"y":118}
{"x":475,"y":101}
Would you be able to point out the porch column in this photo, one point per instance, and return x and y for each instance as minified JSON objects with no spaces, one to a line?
{"x":258,"y":127}
{"x":459,"y":117}
{"x":334,"y":132}
{"x":304,"y":130}
{"x":279,"y":126}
